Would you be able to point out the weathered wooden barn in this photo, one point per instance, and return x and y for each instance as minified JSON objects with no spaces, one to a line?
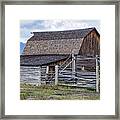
{"x":84,"y":42}
{"x":47,"y":49}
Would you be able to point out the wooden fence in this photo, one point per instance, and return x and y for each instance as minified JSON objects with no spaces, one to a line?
{"x":81,"y":77}
{"x":71,"y":74}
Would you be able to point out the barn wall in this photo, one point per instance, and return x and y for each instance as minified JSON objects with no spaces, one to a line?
{"x":31,"y":74}
{"x":88,"y":64}
{"x":90,"y":45}
{"x":61,"y":46}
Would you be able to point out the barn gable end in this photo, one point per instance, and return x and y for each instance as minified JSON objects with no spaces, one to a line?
{"x":91,"y":44}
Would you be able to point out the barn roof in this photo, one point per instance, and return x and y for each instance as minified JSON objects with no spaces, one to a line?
{"x":52,"y":47}
{"x":38,"y":60}
{"x":56,"y":42}
{"x":66,"y":34}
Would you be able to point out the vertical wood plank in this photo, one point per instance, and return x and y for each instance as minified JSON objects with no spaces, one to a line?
{"x":97,"y":75}
{"x":47,"y":71}
{"x":73,"y":65}
{"x":40,"y":75}
{"x":56,"y":74}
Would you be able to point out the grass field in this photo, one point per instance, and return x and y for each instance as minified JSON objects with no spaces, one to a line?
{"x":52,"y":92}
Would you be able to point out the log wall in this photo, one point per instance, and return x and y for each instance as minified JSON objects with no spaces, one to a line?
{"x":31,"y":74}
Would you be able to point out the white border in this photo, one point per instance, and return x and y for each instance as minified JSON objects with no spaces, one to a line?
{"x":13,"y":104}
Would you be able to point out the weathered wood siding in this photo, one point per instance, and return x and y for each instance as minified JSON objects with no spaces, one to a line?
{"x":31,"y":74}
{"x":88,"y":64}
{"x":90,"y":45}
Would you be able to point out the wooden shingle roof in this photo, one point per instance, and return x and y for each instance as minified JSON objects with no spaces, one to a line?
{"x":38,"y":60}
{"x":56,"y":42}
{"x":66,"y":34}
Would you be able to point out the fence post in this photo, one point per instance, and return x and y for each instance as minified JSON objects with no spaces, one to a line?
{"x":46,"y":76}
{"x":56,"y":74}
{"x":73,"y":65}
{"x":97,"y":75}
{"x":47,"y":69}
{"x":39,"y":83}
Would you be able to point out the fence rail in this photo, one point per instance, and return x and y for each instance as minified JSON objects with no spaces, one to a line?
{"x":70,"y":74}
{"x":81,"y":78}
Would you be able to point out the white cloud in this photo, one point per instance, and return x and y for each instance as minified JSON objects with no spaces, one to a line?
{"x":54,"y":25}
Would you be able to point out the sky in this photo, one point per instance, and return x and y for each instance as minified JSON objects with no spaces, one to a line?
{"x":28,"y":26}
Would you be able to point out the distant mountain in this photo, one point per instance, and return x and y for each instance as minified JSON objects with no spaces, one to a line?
{"x":22,"y":45}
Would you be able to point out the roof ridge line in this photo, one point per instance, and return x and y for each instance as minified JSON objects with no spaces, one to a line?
{"x":64,"y":30}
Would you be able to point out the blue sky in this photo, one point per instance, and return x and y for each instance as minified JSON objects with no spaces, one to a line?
{"x":28,"y":26}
